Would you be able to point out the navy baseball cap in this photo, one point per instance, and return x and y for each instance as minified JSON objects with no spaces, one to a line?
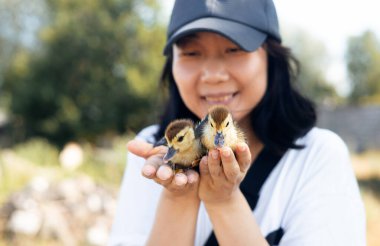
{"x":245,"y":22}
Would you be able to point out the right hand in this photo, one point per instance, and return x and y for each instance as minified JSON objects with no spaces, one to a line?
{"x":178,"y":185}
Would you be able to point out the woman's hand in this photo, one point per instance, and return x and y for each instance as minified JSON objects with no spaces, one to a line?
{"x":178,"y":185}
{"x":221,"y":173}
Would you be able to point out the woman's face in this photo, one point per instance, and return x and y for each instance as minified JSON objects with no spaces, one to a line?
{"x":210,"y":69}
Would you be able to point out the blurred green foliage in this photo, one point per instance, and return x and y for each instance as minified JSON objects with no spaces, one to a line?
{"x":94,"y":73}
{"x":313,"y":58}
{"x":93,"y":69}
{"x":37,"y":157}
{"x":38,"y":150}
{"x":363,"y":63}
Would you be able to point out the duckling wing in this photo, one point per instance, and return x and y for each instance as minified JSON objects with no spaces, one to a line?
{"x":240,"y":134}
{"x":199,"y":127}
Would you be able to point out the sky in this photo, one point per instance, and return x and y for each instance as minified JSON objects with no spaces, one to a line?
{"x":331,"y":22}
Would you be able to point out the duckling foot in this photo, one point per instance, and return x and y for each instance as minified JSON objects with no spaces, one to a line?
{"x":195,"y":162}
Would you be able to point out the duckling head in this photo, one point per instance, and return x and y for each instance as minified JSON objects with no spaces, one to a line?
{"x":220,"y":124}
{"x":180,"y":136}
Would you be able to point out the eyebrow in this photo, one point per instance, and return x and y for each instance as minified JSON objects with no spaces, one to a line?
{"x":182,"y":42}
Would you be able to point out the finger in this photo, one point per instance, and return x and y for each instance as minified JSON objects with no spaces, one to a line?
{"x":139,"y":147}
{"x":230,"y":165}
{"x":180,"y":179}
{"x":214,"y":166}
{"x":161,"y":150}
{"x":203,"y":167}
{"x":148,"y":171}
{"x":243,"y":156}
{"x":144,"y":149}
{"x":164,"y":175}
{"x":151,"y":166}
{"x":192,"y":177}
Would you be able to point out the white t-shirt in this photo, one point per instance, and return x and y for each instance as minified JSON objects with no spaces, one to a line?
{"x":312,"y":194}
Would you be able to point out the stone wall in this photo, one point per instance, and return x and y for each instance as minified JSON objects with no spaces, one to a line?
{"x":74,"y":211}
{"x":358,"y":126}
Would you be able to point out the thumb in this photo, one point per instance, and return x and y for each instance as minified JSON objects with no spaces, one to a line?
{"x":139,"y":147}
{"x":144,"y":149}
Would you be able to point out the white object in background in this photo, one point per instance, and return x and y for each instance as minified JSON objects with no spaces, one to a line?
{"x":71,"y":156}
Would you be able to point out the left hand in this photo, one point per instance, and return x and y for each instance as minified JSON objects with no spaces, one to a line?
{"x":177,"y":185}
{"x":221,"y":173}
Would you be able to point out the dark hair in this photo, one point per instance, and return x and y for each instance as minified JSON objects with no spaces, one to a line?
{"x":282,"y":115}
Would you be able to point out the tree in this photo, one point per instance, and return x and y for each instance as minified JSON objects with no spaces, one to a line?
{"x":363,"y":62}
{"x":94,"y":74}
{"x":18,"y":22}
{"x":313,"y":57}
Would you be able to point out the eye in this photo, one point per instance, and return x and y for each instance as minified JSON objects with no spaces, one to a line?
{"x":233,"y":50}
{"x":211,"y":124}
{"x":227,"y":123}
{"x":180,"y":139}
{"x":190,"y":53}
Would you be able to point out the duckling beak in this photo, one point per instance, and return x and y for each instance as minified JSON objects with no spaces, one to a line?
{"x":169,"y":155}
{"x":219,"y":139}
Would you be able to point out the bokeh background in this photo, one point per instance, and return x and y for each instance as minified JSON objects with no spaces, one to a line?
{"x":78,"y":79}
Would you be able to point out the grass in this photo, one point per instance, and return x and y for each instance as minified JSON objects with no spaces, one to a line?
{"x":367,"y":165}
{"x":39,"y":158}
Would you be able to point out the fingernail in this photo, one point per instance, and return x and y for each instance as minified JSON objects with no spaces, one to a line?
{"x":179,"y":179}
{"x":204,"y":160}
{"x":242,"y":147}
{"x":191,"y":179}
{"x":148,"y":170}
{"x":164,"y":173}
{"x":226,"y":153}
{"x":214,"y":154}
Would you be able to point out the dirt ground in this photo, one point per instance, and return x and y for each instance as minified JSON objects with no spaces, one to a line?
{"x":367,"y":170}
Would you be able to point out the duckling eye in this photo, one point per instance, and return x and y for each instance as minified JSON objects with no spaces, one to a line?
{"x":211,"y":124}
{"x":227,"y":123}
{"x":180,"y":139}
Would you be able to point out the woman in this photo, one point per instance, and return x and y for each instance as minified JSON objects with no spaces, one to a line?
{"x":295,"y":177}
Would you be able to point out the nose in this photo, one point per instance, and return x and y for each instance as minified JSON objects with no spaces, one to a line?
{"x":214,"y":71}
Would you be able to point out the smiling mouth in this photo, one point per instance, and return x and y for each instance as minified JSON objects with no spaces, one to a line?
{"x":219,"y":99}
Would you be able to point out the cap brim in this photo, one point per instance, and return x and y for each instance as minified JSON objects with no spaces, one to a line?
{"x":247,"y":38}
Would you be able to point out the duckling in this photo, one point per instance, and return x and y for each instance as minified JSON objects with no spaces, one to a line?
{"x":219,"y":129}
{"x":185,"y":149}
